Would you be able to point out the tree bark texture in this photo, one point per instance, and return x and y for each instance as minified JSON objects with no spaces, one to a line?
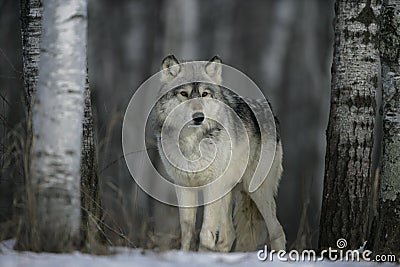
{"x":31,"y":27}
{"x":92,"y":213}
{"x":57,"y":126}
{"x":387,"y":239}
{"x":31,"y":30}
{"x":350,"y":133}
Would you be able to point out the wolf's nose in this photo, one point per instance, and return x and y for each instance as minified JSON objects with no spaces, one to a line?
{"x":198,"y":117}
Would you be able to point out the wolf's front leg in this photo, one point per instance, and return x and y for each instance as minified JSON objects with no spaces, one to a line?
{"x":217,"y":232}
{"x":187,"y":217}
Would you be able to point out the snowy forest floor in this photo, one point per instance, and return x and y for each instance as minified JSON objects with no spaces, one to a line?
{"x":138,"y":257}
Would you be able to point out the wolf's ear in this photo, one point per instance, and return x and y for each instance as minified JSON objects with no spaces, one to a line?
{"x":214,"y":68}
{"x":170,"y":67}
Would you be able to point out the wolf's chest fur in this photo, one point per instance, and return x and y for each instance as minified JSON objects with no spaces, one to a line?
{"x":202,"y":158}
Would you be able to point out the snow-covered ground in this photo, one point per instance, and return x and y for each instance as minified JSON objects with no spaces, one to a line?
{"x":137,"y":257}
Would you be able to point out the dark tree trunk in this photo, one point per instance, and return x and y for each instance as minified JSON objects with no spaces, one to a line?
{"x":92,"y":212}
{"x":387,"y":238}
{"x":31,"y":28}
{"x":350,"y":134}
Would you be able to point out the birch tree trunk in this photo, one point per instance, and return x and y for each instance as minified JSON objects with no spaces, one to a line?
{"x":350,"y":134}
{"x":388,"y":227}
{"x":57,"y":126}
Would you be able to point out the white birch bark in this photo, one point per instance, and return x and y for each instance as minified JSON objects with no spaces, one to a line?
{"x":57,"y":125}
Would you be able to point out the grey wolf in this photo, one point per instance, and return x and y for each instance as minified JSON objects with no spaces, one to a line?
{"x":236,"y":220}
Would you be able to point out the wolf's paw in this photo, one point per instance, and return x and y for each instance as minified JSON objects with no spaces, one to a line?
{"x":278,"y":242}
{"x":216,"y":240}
{"x":185,"y":246}
{"x":277,"y":238}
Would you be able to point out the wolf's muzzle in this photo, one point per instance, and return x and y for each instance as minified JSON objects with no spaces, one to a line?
{"x":198,"y":117}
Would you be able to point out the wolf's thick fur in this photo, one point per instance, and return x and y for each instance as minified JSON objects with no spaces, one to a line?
{"x":239,"y":216}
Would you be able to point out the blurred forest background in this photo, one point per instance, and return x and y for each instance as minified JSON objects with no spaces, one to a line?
{"x":285,"y":46}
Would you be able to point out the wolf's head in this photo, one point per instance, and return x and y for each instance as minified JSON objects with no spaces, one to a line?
{"x":192,"y":85}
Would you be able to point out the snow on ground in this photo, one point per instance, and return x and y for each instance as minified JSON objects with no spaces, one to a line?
{"x":138,"y":257}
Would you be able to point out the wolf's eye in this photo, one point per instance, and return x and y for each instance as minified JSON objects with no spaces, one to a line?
{"x":183,"y":93}
{"x":204,"y":94}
